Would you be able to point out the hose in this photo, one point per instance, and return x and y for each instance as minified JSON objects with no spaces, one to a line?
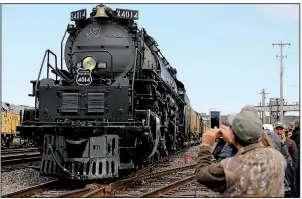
{"x":64,"y":169}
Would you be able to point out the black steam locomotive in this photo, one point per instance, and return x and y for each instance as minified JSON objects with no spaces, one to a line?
{"x":118,"y":106}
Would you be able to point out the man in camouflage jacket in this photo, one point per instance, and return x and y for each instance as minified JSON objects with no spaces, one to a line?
{"x":255,"y":171}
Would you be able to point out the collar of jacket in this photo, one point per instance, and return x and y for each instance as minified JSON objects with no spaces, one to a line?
{"x":249,"y":148}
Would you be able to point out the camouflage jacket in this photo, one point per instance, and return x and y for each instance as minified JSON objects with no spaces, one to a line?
{"x":241,"y":175}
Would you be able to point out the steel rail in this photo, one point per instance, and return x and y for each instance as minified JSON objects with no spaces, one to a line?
{"x":20,"y":157}
{"x":170,"y":187}
{"x":31,"y":191}
{"x":107,"y":189}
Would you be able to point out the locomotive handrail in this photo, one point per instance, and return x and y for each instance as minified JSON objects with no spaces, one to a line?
{"x":56,"y":63}
{"x":47,"y":52}
{"x":132,"y":86}
{"x":36,"y":86}
{"x":142,"y":54}
{"x":62,"y":49}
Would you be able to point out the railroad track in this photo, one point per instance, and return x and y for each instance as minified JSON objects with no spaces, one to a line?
{"x":99,"y":189}
{"x":62,"y":189}
{"x":154,"y":184}
{"x":22,"y":155}
{"x":17,"y":150}
{"x":191,"y":189}
{"x":58,"y":189}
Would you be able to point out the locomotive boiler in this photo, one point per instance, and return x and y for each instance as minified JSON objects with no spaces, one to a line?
{"x":118,"y":106}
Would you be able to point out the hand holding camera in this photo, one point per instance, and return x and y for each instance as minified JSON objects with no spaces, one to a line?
{"x":224,"y":131}
{"x":209,"y":137}
{"x":227,"y":133}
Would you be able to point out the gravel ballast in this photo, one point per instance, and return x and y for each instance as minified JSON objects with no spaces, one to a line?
{"x":20,"y":179}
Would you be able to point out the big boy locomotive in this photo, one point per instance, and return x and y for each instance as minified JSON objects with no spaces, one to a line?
{"x":118,"y":106}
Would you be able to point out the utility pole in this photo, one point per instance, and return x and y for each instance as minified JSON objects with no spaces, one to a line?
{"x":263,"y":93}
{"x":281,"y":44}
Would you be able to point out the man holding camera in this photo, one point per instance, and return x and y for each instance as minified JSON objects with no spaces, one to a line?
{"x":223,"y":149}
{"x":255,"y":171}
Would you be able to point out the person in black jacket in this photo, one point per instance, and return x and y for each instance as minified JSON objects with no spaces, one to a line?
{"x":296,"y":138}
{"x":298,"y":180}
{"x":296,"y":134}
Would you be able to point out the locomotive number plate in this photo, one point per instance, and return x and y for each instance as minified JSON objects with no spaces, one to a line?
{"x":83,"y":77}
{"x":78,"y":15}
{"x":127,"y":14}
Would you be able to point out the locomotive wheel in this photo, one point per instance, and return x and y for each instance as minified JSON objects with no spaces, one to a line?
{"x":30,"y":143}
{"x":147,"y":143}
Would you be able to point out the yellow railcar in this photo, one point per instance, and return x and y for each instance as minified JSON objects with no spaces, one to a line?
{"x":192,"y":121}
{"x":197,"y":123}
{"x":10,"y":119}
{"x":9,"y":122}
{"x":196,"y":127}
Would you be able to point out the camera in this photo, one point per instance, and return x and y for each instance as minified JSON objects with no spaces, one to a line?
{"x":215,"y":121}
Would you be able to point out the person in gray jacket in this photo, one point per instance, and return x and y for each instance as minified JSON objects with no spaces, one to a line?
{"x":279,"y":145}
{"x":289,"y":184}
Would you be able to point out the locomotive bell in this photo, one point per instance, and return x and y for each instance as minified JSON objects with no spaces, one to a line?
{"x":101,"y":13}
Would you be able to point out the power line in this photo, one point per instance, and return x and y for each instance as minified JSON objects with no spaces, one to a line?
{"x":281,"y":45}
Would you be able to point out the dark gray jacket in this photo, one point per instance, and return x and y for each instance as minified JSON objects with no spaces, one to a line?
{"x":223,"y":150}
{"x":226,"y":152}
{"x":280,"y":146}
{"x":289,"y":172}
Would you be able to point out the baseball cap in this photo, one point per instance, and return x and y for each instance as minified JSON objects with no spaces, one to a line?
{"x":268,"y":127}
{"x":247,"y":126}
{"x":278,"y":124}
{"x":250,"y":108}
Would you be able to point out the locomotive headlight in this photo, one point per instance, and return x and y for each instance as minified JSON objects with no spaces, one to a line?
{"x":89,"y":63}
